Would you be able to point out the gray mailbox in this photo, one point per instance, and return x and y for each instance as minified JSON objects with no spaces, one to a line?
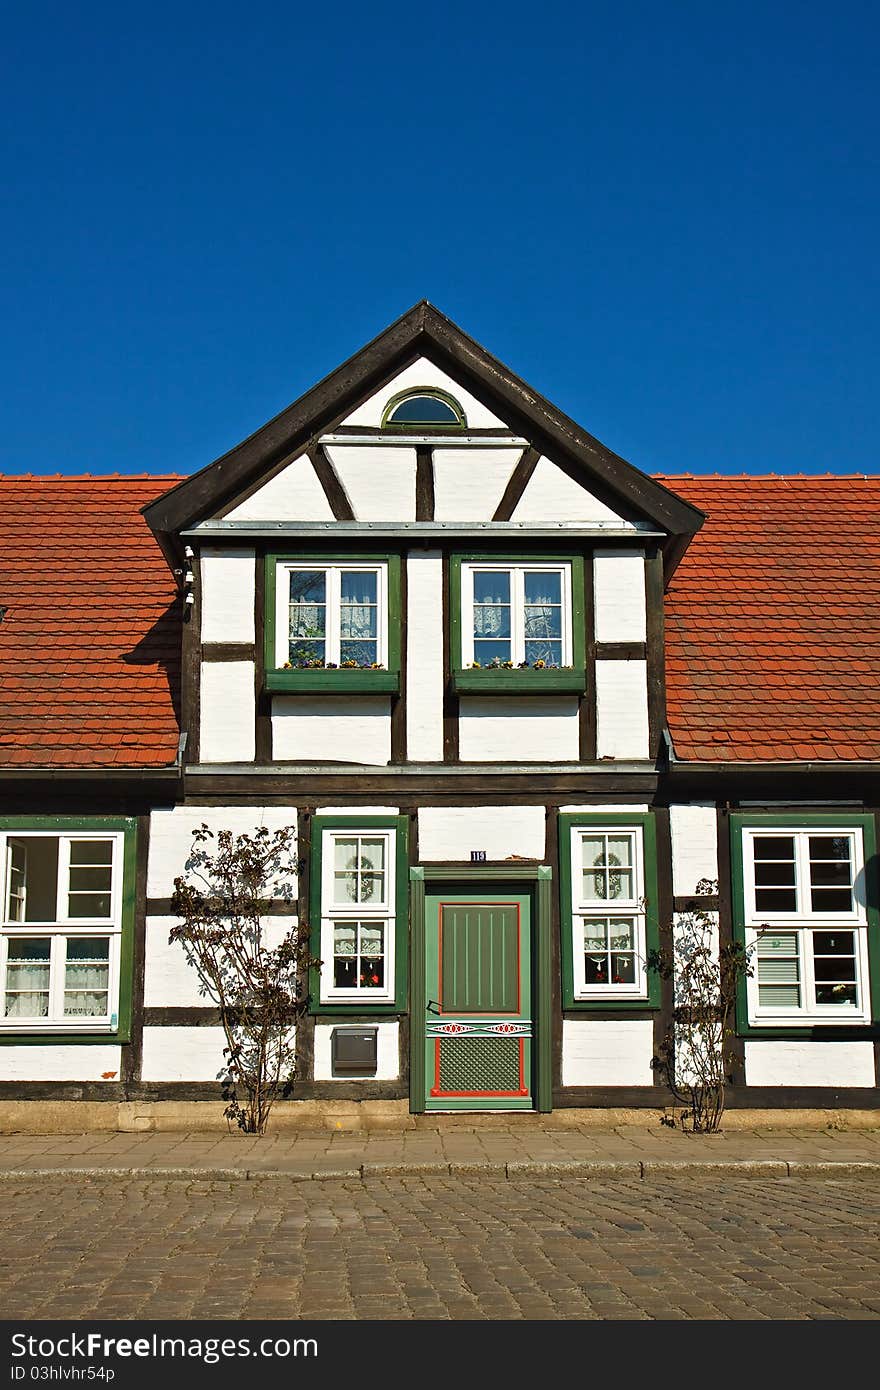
{"x":354,"y":1051}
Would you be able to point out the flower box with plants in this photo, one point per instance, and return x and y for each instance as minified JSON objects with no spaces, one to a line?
{"x":499,"y":677}
{"x":348,"y":677}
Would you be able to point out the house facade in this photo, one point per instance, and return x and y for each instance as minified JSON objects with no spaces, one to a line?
{"x":518,"y":699}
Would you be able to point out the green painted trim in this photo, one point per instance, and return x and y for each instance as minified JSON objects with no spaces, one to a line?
{"x":519,"y":682}
{"x":848,"y":820}
{"x":414,"y":427}
{"x":566,"y":923}
{"x":543,"y":1005}
{"x":353,"y":681}
{"x":524,"y":678}
{"x":305,"y":679}
{"x":417,"y":991}
{"x":122,"y":1033}
{"x":400,"y":825}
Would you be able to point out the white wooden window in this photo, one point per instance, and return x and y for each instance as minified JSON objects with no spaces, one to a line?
{"x":519,"y":614}
{"x":357,"y":916}
{"x":806,"y":921}
{"x":608,"y":912}
{"x":61,"y":930}
{"x":331,"y":615}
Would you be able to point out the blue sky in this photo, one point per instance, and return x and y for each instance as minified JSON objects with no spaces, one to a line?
{"x":666,"y":218}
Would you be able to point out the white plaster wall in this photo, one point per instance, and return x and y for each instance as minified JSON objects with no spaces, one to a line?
{"x":294,"y":494}
{"x":332,"y":728}
{"x":182,"y":1054}
{"x":171,"y":837}
{"x":60,"y":1062}
{"x":357,"y":811}
{"x":523,"y":728}
{"x":622,"y":709}
{"x":552,"y":495}
{"x":424,"y":373}
{"x":424,"y":657}
{"x":227,"y":712}
{"x":770,"y":1063}
{"x":170,"y":982}
{"x":227,"y":594}
{"x":605,"y":809}
{"x":469,"y":483}
{"x":451,"y":832}
{"x":380,"y":481}
{"x":619,"y":587}
{"x":387,"y":1053}
{"x":694,"y":845}
{"x":604,"y":1052}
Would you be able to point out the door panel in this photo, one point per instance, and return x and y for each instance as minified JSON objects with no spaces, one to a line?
{"x":478,"y":1026}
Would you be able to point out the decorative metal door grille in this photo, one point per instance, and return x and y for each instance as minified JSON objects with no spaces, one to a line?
{"x":484,"y":1065}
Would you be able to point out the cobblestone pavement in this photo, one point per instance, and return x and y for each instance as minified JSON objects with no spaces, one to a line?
{"x":448,"y":1247}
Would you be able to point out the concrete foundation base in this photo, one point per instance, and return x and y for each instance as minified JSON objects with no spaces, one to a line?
{"x":155,"y":1117}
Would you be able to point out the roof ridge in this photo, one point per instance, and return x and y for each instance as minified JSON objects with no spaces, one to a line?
{"x":88,"y":477}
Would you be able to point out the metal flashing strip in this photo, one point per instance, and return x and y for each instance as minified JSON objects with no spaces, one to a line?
{"x":420,"y":530}
{"x":442,"y":771}
{"x":439,"y":441}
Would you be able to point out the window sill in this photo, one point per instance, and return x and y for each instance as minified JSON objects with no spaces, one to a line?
{"x":627,"y":1001}
{"x":353,"y":681}
{"x":58,"y":1036}
{"x":519,"y":682}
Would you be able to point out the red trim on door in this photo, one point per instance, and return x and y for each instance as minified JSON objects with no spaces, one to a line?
{"x":485,"y":1095}
{"x":477,"y":1013}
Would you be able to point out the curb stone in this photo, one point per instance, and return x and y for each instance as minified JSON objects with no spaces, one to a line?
{"x":631,"y":1168}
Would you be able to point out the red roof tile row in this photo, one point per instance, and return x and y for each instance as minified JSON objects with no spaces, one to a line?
{"x":772,"y":623}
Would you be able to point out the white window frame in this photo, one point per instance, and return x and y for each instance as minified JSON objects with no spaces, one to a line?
{"x":333,"y":597}
{"x":804,"y":922}
{"x":517,"y":571}
{"x":583,"y":909}
{"x":331,"y":912}
{"x":61,"y":928}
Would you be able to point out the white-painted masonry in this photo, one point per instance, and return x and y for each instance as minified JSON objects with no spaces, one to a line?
{"x":380,"y":482}
{"x":606,"y":1052}
{"x":601,"y":809}
{"x":332,"y":728}
{"x":451,"y":832}
{"x":387,"y":1052}
{"x":227,"y":599}
{"x":183,"y":1054}
{"x":809,"y":1063}
{"x":469,"y":483}
{"x":552,"y":495}
{"x":226,"y":712}
{"x":171,"y":837}
{"x":170,"y":982}
{"x":422,"y":372}
{"x":619,"y":588}
{"x":622,"y":709}
{"x":424,"y":657}
{"x":357,"y":811}
{"x":62,"y":1062}
{"x":694,"y":830}
{"x":294,"y":494}
{"x":518,"y":728}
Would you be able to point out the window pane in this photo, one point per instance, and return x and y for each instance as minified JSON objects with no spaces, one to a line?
{"x":364,"y":653}
{"x":595,"y":880}
{"x":358,"y":619}
{"x":775,"y":889}
{"x":307,"y":616}
{"x":91,"y":851}
{"x":774,"y":847}
{"x":840,"y":994}
{"x":491,"y":620}
{"x":835,"y":848}
{"x":778,"y":969}
{"x":87,"y":977}
{"x":548,"y":652}
{"x":492,"y":587}
{"x":831,"y":899}
{"x":32,"y":894}
{"x":623,"y":969}
{"x":27,"y":979}
{"x":543,"y":617}
{"x":308,"y":587}
{"x":833,"y":943}
{"x":423,"y":410}
{"x":774,"y":875}
{"x":542,"y":588}
{"x":485,"y":652}
{"x":87,"y":906}
{"x":596,"y":970}
{"x":595,"y":935}
{"x":775,"y":900}
{"x":373,"y":855}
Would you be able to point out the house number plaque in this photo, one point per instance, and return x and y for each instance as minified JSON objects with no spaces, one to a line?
{"x":478,"y":856}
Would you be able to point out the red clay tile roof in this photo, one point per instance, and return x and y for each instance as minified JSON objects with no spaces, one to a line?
{"x":772,"y":623}
{"x":89,"y":646}
{"x":773,"y":620}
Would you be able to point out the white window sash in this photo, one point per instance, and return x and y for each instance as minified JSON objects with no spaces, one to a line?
{"x":517,"y":606}
{"x":804,"y":916}
{"x":57,"y":1021}
{"x":809,"y":1010}
{"x":583,"y":910}
{"x":333,"y":607}
{"x":379,"y":911}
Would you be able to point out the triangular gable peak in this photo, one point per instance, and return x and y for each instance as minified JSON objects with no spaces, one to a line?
{"x":340,"y":453}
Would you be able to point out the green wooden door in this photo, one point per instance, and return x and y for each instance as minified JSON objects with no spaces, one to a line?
{"x":478,"y":990}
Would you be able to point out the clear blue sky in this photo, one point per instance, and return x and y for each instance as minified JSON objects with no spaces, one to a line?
{"x":664,"y":217}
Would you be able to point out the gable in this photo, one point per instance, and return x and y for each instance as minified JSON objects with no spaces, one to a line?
{"x":423,"y":372}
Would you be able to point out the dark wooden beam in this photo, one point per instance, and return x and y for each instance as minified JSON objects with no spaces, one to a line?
{"x":331,"y":483}
{"x":516,"y":484}
{"x":424,"y":483}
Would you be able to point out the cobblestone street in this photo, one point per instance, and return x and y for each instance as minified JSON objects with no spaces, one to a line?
{"x":453,"y":1247}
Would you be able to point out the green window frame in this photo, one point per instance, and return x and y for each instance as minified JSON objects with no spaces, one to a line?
{"x":459,"y":426}
{"x":61,"y":929}
{"x":798,"y":936}
{"x":639,"y":907}
{"x":396,"y":914}
{"x":570,"y":679}
{"x":354,"y":681}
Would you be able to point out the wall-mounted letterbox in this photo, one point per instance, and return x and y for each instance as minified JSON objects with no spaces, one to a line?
{"x":354,"y":1051}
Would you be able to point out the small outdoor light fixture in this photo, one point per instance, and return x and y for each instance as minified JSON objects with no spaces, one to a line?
{"x":354,"y":1051}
